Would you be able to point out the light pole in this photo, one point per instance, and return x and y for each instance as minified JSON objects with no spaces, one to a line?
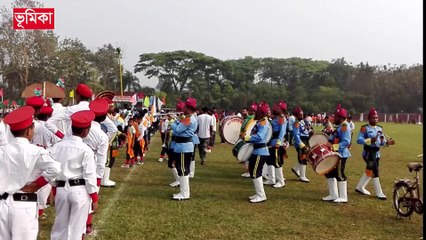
{"x":121,"y":74}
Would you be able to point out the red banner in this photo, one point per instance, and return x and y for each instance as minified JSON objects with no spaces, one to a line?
{"x":33,"y":18}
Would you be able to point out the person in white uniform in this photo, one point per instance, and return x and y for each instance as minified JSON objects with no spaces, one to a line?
{"x":24,"y":169}
{"x":76,"y":185}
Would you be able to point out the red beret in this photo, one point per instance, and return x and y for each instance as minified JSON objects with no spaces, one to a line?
{"x":46,"y":110}
{"x":82,"y":119}
{"x":253,"y":106}
{"x":84,"y":90}
{"x":99,"y":106}
{"x":297,"y":110}
{"x":263,"y":108}
{"x":283,"y":105}
{"x":372,"y":112}
{"x":35,"y":101}
{"x":341,"y":112}
{"x":20,"y":119}
{"x":191,"y":102}
{"x":180,"y":106}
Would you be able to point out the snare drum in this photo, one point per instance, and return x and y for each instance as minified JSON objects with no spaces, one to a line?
{"x":230,"y":129}
{"x":242,"y":150}
{"x":322,"y":158}
{"x":318,"y":138}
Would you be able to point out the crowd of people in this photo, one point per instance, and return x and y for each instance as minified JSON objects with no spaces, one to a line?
{"x":49,"y":150}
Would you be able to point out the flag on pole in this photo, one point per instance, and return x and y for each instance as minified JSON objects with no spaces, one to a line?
{"x":1,"y":92}
{"x":72,"y":93}
{"x":153,"y":107}
{"x":159,"y":104}
{"x":133,"y":99}
{"x":146,"y":102}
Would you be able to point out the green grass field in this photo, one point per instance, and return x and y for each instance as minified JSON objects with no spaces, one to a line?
{"x":140,"y":206}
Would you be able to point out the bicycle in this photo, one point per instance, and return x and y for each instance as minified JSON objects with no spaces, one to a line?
{"x":406,"y":194}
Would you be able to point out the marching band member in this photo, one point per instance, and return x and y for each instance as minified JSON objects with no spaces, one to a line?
{"x":260,"y":153}
{"x":76,"y":184}
{"x":25,"y":169}
{"x":248,"y":118}
{"x":341,"y":140}
{"x":164,"y":125}
{"x":180,"y":107}
{"x":184,"y":131}
{"x":98,"y":141}
{"x":276,"y":147}
{"x":372,"y":137}
{"x":301,"y":133}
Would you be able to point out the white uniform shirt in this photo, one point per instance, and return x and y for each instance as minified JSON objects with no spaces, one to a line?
{"x":214,"y":123}
{"x":22,"y":163}
{"x":65,"y":116}
{"x":205,"y":122}
{"x":42,"y":136}
{"x":76,"y":159}
{"x":351,"y":126}
{"x":112,"y":129}
{"x":142,"y":130}
{"x":291,"y":120}
{"x":58,"y":109}
{"x":3,"y":133}
{"x":98,"y":142}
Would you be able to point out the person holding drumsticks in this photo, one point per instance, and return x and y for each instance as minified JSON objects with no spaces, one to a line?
{"x":276,"y":146}
{"x":372,"y":137}
{"x":260,"y":153}
{"x":341,"y":140}
{"x":248,"y":116}
{"x":301,"y":132}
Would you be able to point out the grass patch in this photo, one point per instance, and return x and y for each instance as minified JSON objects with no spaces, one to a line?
{"x":140,"y":207}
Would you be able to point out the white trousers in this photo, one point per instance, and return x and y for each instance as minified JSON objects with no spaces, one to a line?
{"x":18,"y":220}
{"x":43,"y":195}
{"x":72,"y":207}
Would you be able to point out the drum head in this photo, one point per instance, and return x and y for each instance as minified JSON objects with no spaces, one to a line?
{"x":245,"y":152}
{"x":327,"y":164}
{"x":231,"y":129}
{"x":318,"y":138}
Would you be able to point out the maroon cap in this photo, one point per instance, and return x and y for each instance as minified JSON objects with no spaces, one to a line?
{"x":20,"y":119}
{"x":36,"y":101}
{"x":82,"y":119}
{"x":253,"y":107}
{"x":84,"y":90}
{"x":46,"y":110}
{"x":180,"y":106}
{"x":341,"y":112}
{"x":297,"y":110}
{"x":372,"y":112}
{"x":99,"y":106}
{"x":263,"y":108}
{"x":191,"y":102}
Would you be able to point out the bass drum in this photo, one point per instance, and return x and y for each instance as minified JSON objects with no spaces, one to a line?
{"x":230,"y":130}
{"x":250,"y":126}
{"x":322,"y":158}
{"x":318,"y":138}
{"x":242,"y":150}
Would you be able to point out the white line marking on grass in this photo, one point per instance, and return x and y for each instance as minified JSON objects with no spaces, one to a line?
{"x":111,"y":203}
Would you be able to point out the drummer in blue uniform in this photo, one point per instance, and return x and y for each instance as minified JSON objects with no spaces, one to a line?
{"x":180,"y":106}
{"x":371,"y":136}
{"x":260,"y":153}
{"x":301,"y":133}
{"x":276,"y":146}
{"x":183,"y":131}
{"x":341,"y":140}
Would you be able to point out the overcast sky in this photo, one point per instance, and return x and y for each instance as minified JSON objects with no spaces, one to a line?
{"x":374,"y":31}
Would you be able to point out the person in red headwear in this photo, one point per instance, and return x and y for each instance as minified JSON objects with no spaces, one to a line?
{"x":183,"y":132}
{"x":248,"y":119}
{"x":276,"y":146}
{"x":260,"y":154}
{"x":371,"y":136}
{"x":25,"y":168}
{"x":341,"y":140}
{"x":76,"y":185}
{"x":301,"y":134}
{"x":171,"y":163}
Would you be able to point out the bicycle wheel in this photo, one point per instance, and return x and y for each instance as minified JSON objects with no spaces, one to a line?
{"x":402,"y":199}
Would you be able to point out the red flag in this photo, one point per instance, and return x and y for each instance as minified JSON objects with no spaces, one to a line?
{"x":6,"y":102}
{"x":1,"y":92}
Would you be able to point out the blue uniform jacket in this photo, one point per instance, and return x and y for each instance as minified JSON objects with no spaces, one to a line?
{"x":342,"y":136}
{"x":185,"y":128}
{"x":258,"y":136}
{"x":367,"y":132}
{"x":279,"y":127}
{"x":300,"y":129}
